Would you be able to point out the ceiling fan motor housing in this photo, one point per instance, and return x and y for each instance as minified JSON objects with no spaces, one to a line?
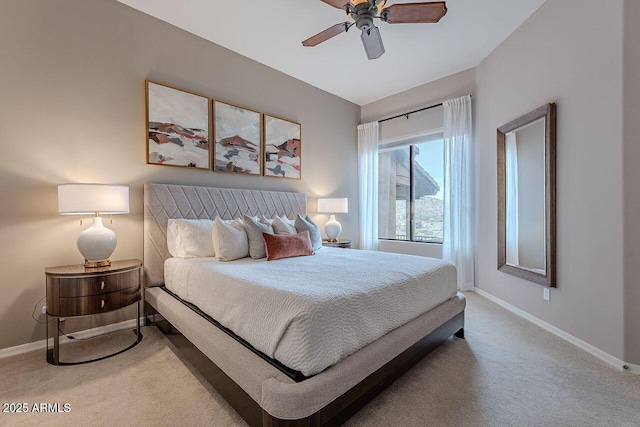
{"x":364,"y":23}
{"x":363,"y":15}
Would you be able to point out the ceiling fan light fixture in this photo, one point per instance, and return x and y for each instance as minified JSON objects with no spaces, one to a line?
{"x":380,"y":4}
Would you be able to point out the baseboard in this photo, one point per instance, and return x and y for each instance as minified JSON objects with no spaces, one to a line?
{"x":634,"y":369}
{"x":88,"y":333}
{"x":605,"y":357}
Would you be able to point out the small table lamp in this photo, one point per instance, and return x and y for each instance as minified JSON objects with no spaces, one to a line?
{"x":333,"y":206}
{"x":97,"y":242}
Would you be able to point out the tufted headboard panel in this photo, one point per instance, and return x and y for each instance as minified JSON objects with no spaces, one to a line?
{"x":164,"y":201}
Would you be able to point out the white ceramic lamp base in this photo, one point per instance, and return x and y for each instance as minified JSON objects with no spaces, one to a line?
{"x":96,"y":244}
{"x":332,"y":228}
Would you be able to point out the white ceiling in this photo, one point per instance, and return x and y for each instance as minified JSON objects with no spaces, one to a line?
{"x":271,"y":32}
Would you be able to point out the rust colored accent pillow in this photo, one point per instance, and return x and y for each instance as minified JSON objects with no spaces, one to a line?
{"x":287,"y":245}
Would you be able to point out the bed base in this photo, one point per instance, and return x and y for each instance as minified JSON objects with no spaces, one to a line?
{"x":336,"y":412}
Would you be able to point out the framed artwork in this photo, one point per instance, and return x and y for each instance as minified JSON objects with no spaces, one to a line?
{"x":282,"y":148}
{"x":238,"y":138}
{"x":177,"y":127}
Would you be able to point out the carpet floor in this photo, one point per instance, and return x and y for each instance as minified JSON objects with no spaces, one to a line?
{"x":508,"y":372}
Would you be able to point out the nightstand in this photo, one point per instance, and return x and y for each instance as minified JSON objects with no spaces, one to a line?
{"x":346,"y":244}
{"x":74,"y":290}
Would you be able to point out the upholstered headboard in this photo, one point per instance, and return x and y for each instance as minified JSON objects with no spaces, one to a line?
{"x":163,"y":201}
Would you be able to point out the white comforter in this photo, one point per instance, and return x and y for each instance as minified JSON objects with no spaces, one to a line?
{"x":311,"y":312}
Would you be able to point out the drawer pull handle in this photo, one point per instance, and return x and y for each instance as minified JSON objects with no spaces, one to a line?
{"x":102,"y":285}
{"x":102,"y":304}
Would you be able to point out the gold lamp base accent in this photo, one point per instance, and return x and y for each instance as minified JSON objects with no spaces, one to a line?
{"x":97,"y":264}
{"x":333,"y":240}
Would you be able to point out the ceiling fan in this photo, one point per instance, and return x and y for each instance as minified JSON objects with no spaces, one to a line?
{"x":363,"y":12}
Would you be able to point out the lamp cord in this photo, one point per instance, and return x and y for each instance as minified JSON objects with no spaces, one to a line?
{"x":71,"y":337}
{"x":33,"y":313}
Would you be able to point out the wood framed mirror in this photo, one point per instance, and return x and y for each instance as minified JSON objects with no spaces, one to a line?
{"x":527,"y":196}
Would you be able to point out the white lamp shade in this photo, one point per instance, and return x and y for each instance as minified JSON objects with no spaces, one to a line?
{"x":339,"y":205}
{"x":88,"y":199}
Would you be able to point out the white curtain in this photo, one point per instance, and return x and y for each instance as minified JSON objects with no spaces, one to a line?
{"x":511,"y":172}
{"x":368,"y":181}
{"x":458,"y":244}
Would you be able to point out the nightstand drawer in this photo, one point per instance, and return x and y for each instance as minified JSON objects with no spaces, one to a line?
{"x":71,"y":287}
{"x":82,"y":306}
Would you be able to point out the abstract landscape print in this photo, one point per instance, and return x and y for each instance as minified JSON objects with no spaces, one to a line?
{"x":238,"y":139}
{"x":177,"y":127}
{"x":282,"y":148}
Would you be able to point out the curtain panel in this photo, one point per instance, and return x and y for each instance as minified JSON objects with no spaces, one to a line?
{"x":368,"y":183}
{"x":458,"y":243}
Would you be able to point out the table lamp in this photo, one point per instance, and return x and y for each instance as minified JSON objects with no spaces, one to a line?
{"x":333,"y":206}
{"x":97,"y":242}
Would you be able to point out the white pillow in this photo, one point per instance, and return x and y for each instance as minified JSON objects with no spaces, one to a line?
{"x":190,"y":238}
{"x":307,"y":224}
{"x":230,"y":239}
{"x":283,"y":225}
{"x":266,"y":220}
{"x":254,"y":231}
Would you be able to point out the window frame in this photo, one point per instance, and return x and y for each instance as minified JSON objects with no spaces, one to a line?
{"x":411,"y":141}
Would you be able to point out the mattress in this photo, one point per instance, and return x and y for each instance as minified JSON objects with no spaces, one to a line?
{"x":311,"y":312}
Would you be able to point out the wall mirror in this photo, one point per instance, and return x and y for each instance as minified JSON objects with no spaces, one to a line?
{"x":526,"y":196}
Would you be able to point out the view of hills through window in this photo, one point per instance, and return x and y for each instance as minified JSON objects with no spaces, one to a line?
{"x":419,"y":166}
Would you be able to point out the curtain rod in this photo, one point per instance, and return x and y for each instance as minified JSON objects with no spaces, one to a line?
{"x":411,"y":112}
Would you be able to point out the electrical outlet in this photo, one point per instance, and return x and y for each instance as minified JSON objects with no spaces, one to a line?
{"x":545,"y":294}
{"x":44,"y":309}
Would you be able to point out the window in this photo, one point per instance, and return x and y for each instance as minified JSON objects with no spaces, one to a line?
{"x":410,"y":185}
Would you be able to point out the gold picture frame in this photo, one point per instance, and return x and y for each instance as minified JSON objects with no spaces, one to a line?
{"x":282,"y":148}
{"x":238,"y":139}
{"x":178,"y":127}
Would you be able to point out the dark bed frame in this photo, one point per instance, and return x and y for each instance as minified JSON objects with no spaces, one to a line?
{"x":164,"y":201}
{"x":335,"y":413}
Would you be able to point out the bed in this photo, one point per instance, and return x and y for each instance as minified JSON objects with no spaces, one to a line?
{"x":247,"y":369}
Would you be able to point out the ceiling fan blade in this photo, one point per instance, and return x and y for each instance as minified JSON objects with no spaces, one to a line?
{"x":340,"y":4}
{"x":415,"y":13}
{"x":326,"y":34}
{"x":372,"y":42}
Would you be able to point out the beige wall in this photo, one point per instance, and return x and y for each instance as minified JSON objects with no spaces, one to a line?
{"x":569,"y":52}
{"x":453,"y":86}
{"x":631,"y":161}
{"x":72,"y":110}
{"x":579,"y":66}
